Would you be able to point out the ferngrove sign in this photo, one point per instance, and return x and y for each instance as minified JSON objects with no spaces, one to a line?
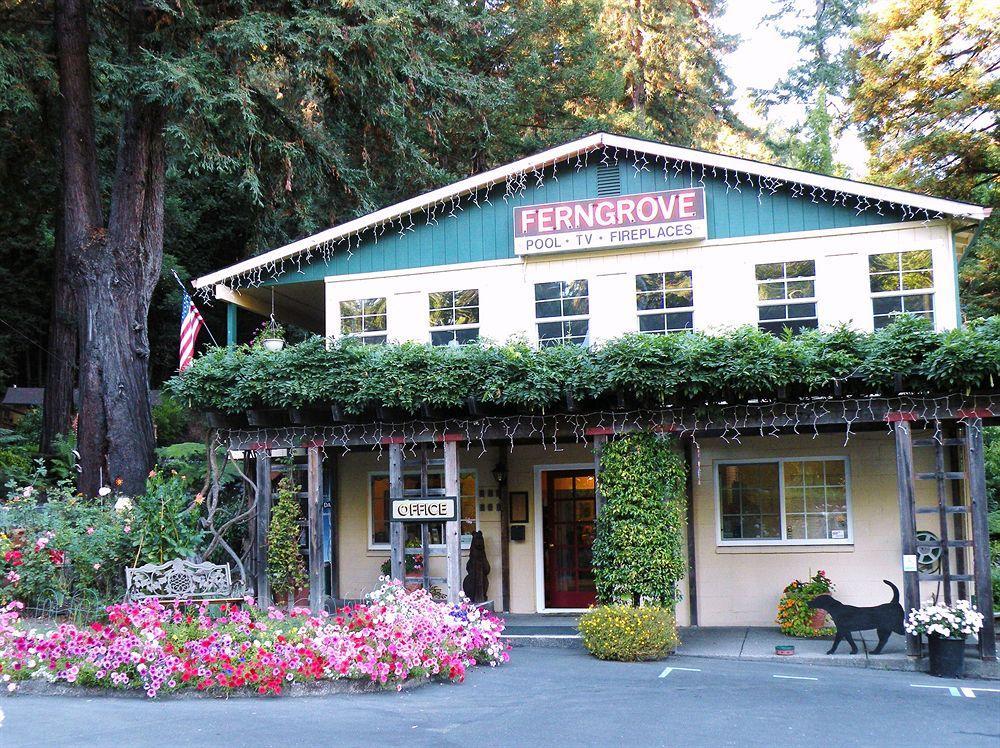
{"x":424,"y":509}
{"x":619,"y":221}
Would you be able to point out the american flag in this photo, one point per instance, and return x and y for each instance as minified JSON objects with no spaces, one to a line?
{"x":191,"y":323}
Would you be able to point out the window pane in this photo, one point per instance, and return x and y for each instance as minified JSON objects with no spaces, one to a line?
{"x":350,"y":308}
{"x":466,"y":336}
{"x":440,"y":317}
{"x":775,"y":328}
{"x":350,"y":325}
{"x":679,"y":299}
{"x":653,"y":300}
{"x":441,"y":299}
{"x":680,"y":321}
{"x":752,"y":490}
{"x":680,"y":279}
{"x":652,"y":323}
{"x":576,"y":288}
{"x":801,"y":289}
{"x":884,"y":282}
{"x":649,"y":282}
{"x":795,"y":526}
{"x":375,"y":323}
{"x":549,"y":330}
{"x":800,"y":269}
{"x":770,"y":270}
{"x":887,"y":304}
{"x":467,"y":298}
{"x":374,"y":306}
{"x":548,"y":309}
{"x":773,"y":311}
{"x":797,"y":311}
{"x":442,"y":337}
{"x":919,"y":260}
{"x":912,"y":281}
{"x":573,"y":307}
{"x":769,"y":291}
{"x":917,"y":303}
{"x":546,"y":291}
{"x":467,"y":315}
{"x":883,"y":262}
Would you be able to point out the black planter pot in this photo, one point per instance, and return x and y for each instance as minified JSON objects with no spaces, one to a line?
{"x":947,"y":656}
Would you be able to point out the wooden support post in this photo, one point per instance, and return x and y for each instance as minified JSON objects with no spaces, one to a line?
{"x":333,"y":494}
{"x":692,"y":576}
{"x":504,"y":495}
{"x":453,"y":530}
{"x":397,"y":532}
{"x":599,"y":441}
{"x":263,"y":522}
{"x":314,"y":475}
{"x":943,"y":533}
{"x":960,"y":531}
{"x":907,"y":522}
{"x":975,"y":466}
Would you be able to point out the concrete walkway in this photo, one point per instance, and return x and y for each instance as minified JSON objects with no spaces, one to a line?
{"x":748,"y":643}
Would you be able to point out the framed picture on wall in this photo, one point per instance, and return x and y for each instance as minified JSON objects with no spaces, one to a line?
{"x":518,"y":507}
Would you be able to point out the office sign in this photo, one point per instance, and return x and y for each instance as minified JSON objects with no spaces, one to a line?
{"x":619,"y":221}
{"x":424,"y":509}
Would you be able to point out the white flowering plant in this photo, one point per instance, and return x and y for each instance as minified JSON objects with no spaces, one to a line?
{"x":948,"y":621}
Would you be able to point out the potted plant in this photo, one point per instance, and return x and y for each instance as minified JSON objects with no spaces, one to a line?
{"x":795,"y":617}
{"x":946,"y":628}
{"x":413,"y":569}
{"x":272,"y":336}
{"x":285,"y":568}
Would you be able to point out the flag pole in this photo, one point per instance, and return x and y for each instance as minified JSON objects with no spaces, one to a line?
{"x":184,"y":289}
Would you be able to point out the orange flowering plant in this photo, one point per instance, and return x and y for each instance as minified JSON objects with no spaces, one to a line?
{"x":794,"y":613}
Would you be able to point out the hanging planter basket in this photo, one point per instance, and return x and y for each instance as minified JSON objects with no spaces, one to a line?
{"x":273,"y":344}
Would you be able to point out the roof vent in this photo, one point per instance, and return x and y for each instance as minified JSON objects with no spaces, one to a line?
{"x":609,"y":180}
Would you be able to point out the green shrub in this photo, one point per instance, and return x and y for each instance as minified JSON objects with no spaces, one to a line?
{"x":628,"y":634}
{"x":171,"y":419}
{"x":639,"y":546}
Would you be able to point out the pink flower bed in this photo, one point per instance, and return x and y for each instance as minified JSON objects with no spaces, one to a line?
{"x":395,"y":636}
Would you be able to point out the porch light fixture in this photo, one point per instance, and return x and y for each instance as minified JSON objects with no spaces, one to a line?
{"x":499,"y":474}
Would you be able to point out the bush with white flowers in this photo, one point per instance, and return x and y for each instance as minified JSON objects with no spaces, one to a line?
{"x":949,"y":621}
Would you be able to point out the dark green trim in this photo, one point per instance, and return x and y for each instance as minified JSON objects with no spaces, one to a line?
{"x":231,"y":324}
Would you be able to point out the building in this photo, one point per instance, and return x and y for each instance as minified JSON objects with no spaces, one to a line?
{"x":583,"y":243}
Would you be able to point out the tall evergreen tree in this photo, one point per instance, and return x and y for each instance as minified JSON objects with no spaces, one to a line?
{"x":666,"y":55}
{"x":926,"y":99}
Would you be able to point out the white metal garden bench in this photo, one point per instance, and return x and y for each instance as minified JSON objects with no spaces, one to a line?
{"x":182,"y":580}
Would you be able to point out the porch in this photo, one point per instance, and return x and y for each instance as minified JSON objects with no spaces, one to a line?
{"x":912,"y":465}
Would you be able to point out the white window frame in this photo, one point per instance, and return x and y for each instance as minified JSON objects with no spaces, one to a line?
{"x":786,"y":301}
{"x":929,"y":291}
{"x":563,"y":318}
{"x":364,"y":336}
{"x":432,"y":328}
{"x":640,"y":313}
{"x":783,"y":540}
{"x":437,"y":549}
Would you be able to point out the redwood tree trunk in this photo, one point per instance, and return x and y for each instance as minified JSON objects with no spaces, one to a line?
{"x":60,"y":372}
{"x":114,"y":268}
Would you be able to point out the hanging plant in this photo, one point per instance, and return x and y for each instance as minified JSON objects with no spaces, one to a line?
{"x":285,"y":569}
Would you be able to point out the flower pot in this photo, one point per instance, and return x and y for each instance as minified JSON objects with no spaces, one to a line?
{"x":273,"y":344}
{"x":414,"y":580}
{"x":947,"y":656}
{"x":818,"y":620}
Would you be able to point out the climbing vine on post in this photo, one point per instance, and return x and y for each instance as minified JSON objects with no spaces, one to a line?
{"x":639,"y":547}
{"x":285,"y":569}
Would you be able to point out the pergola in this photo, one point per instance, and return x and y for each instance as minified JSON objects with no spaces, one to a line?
{"x":957,"y":443}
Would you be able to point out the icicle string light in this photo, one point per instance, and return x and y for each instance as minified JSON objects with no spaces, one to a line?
{"x":515,"y":186}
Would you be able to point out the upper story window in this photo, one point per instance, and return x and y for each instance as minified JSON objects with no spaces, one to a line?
{"x":901,"y":283}
{"x":454,"y":317}
{"x":665,"y":302}
{"x":562,"y":312}
{"x":364,"y":319}
{"x":786,"y":295}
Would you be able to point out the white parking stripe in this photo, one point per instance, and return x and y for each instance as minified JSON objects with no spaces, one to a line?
{"x":668,"y":670}
{"x":794,"y":677}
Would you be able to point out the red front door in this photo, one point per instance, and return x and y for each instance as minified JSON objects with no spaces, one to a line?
{"x":568,"y":529}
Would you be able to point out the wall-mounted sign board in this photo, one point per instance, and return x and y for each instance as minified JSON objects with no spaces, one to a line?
{"x":619,"y":221}
{"x":424,"y":509}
